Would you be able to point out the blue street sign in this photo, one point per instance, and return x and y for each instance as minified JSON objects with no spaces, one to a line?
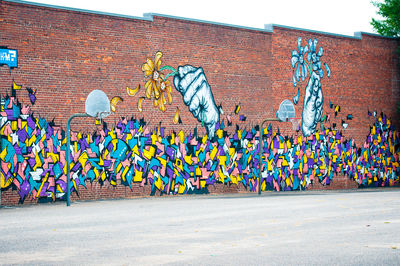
{"x":9,"y":57}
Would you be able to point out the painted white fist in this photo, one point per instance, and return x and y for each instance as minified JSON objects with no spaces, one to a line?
{"x":313,"y":103}
{"x":192,"y":84}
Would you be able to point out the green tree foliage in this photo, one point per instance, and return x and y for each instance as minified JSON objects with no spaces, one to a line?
{"x":390,"y":12}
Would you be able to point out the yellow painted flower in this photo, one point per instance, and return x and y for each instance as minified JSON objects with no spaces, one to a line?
{"x":158,"y":86}
{"x":165,"y":96}
{"x":152,"y":70}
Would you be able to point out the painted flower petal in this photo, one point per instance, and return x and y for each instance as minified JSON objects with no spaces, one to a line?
{"x":168,"y":87}
{"x":132,"y":92}
{"x":148,"y":87}
{"x":309,"y":55}
{"x":305,"y":71}
{"x":294,"y":59}
{"x":156,"y":90}
{"x":328,"y":70}
{"x":176,"y":116}
{"x":157,"y":60}
{"x":298,"y":72}
{"x":148,"y":73}
{"x":301,"y":59}
{"x":299,"y":43}
{"x":314,"y":57}
{"x":113,"y":103}
{"x":140,"y":104}
{"x":148,"y":67}
{"x":169,"y":97}
{"x":305,"y":50}
{"x":320,"y":52}
{"x":296,"y":98}
{"x":315,"y":42}
{"x":294,"y":80}
{"x":310,"y":44}
{"x":302,"y":72}
{"x":163,"y":98}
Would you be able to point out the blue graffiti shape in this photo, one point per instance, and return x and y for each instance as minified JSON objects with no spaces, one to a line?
{"x":315,"y":58}
{"x":193,"y":85}
{"x":298,"y":62}
{"x":313,"y":99}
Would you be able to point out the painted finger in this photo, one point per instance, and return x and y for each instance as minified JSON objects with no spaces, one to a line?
{"x":183,"y":70}
{"x":194,"y":106}
{"x":196,"y":80}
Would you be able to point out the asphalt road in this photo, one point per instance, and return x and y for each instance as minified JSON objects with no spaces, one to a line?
{"x":287,"y":228}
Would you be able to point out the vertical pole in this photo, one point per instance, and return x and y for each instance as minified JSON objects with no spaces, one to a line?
{"x":68,"y":154}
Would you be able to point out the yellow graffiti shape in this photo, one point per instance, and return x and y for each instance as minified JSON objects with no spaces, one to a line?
{"x":83,"y":159}
{"x":181,"y":136}
{"x":38,"y":162}
{"x":149,"y":153}
{"x":221,"y":175}
{"x":3,"y":154}
{"x":188,"y":160}
{"x":172,"y":142}
{"x":179,"y":164}
{"x":3,"y":182}
{"x":158,"y":183}
{"x":103,"y":176}
{"x":154,"y":138}
{"x":222,"y":160}
{"x":32,"y":140}
{"x":213,"y":153}
{"x":204,"y":139}
{"x":220,"y":133}
{"x":123,"y":175}
{"x":138,"y":177}
{"x":182,"y":188}
{"x":132,"y":92}
{"x":119,"y":166}
{"x":41,"y":186}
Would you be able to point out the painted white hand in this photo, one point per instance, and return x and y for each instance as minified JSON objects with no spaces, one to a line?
{"x":313,"y":103}
{"x":192,"y":84}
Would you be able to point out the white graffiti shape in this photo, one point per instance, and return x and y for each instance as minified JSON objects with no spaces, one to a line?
{"x":298,"y":62}
{"x":313,"y":99}
{"x":192,"y":84}
{"x":313,"y":102}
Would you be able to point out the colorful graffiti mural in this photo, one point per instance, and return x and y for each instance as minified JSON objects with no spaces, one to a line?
{"x":190,"y":82}
{"x":33,"y":157}
{"x":33,"y":150}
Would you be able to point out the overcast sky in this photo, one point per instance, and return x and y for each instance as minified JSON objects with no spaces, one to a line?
{"x":335,"y":16}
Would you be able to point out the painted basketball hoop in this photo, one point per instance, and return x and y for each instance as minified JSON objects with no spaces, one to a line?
{"x":286,"y":111}
{"x":295,"y":123}
{"x":97,"y":105}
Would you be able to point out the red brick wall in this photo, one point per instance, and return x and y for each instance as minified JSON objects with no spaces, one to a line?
{"x":66,"y":54}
